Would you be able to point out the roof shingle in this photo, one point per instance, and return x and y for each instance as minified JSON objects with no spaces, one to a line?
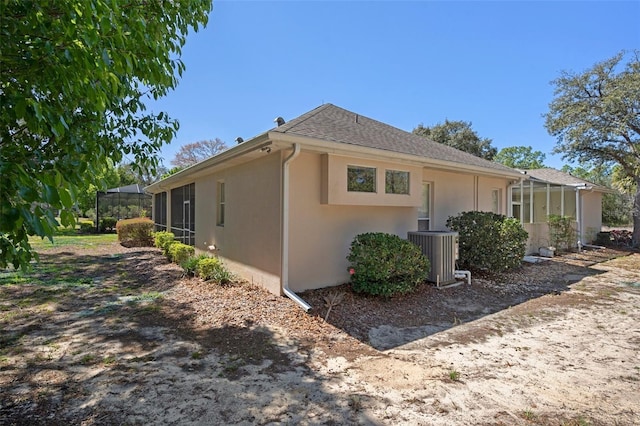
{"x":331,"y":123}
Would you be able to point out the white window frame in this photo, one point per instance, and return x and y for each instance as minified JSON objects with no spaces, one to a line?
{"x":221,"y":203}
{"x":427,"y":206}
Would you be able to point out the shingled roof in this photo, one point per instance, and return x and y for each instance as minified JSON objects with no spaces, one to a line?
{"x":560,"y":178}
{"x":331,"y":123}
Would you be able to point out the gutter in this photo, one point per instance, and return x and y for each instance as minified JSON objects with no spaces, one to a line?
{"x":340,"y":148}
{"x":284,"y":279}
{"x":255,"y":144}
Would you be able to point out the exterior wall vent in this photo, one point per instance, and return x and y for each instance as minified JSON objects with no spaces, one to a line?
{"x":441,"y":248}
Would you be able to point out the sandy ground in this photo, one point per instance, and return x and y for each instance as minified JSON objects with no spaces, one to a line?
{"x":571,"y":358}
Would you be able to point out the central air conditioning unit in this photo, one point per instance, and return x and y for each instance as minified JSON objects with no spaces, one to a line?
{"x":441,"y":248}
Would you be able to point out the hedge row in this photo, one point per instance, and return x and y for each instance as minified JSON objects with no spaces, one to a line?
{"x":203,"y":266}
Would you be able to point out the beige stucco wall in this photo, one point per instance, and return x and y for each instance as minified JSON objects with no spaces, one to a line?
{"x":591,"y":215}
{"x":334,"y":183}
{"x":249,"y":241}
{"x":320,"y":234}
{"x":453,"y":193}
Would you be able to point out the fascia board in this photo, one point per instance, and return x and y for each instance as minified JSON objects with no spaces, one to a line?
{"x":205,"y":166}
{"x":338,"y":148}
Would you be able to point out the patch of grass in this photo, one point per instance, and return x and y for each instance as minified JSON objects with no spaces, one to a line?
{"x":528,"y":414}
{"x":77,"y":240}
{"x":355,"y":402}
{"x":454,"y":375}
{"x":87,"y":359}
{"x":196,"y":355}
{"x":108,"y":360}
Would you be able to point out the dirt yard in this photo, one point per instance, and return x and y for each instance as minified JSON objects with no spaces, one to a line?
{"x":111,"y":335}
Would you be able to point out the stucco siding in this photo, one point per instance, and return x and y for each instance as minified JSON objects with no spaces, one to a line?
{"x":452,"y":193}
{"x":591,"y":215}
{"x":320,"y":234}
{"x":249,"y":241}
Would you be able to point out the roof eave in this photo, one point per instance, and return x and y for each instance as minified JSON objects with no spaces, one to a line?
{"x":339,"y":148}
{"x":236,"y":151}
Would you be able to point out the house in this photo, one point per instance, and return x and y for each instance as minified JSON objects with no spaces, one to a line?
{"x":552,"y":192}
{"x":282,"y":208}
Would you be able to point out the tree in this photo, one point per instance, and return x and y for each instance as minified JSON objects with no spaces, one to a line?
{"x":616,"y":206}
{"x":193,"y":153}
{"x":520,"y":157}
{"x":459,"y":135}
{"x":596,"y":117}
{"x":75,"y":78}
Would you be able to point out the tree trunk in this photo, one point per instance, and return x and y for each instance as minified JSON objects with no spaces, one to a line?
{"x":636,"y":215}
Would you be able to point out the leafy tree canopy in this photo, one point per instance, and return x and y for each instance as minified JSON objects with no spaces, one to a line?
{"x":75,"y":78}
{"x":616,"y":206}
{"x":193,"y":153}
{"x":520,"y":157}
{"x":596,"y":117}
{"x":459,"y":135}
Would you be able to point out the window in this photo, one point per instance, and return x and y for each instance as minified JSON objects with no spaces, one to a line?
{"x":495,"y":200}
{"x":220,"y":198}
{"x":396,"y":182}
{"x":361,"y":179}
{"x":424,"y":211}
{"x":160,"y":211}
{"x":183,"y":214}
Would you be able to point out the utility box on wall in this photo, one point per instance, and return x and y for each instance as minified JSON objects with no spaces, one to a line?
{"x":441,"y":248}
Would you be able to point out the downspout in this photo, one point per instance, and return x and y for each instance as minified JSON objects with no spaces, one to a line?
{"x":284,"y":279}
{"x":579,"y":218}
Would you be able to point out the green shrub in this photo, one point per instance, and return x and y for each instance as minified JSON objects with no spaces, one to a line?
{"x":107,"y":224}
{"x":385,"y":265}
{"x":190,"y":265}
{"x":562,"y":234}
{"x":210,"y":269}
{"x":179,"y":252}
{"x":162,"y":240}
{"x":86,"y":226}
{"x":488,"y":240}
{"x":135,"y":232}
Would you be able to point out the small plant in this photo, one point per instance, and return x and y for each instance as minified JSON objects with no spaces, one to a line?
{"x":528,"y":414}
{"x":179,"y":252}
{"x":454,"y":375}
{"x":86,"y":226}
{"x":190,"y":265}
{"x":488,"y":240}
{"x":87,"y":359}
{"x":355,"y":402}
{"x":162,"y":240}
{"x":562,"y":234}
{"x":385,"y":264}
{"x":107,"y":224}
{"x":333,"y":299}
{"x":196,"y":355}
{"x":210,"y":269}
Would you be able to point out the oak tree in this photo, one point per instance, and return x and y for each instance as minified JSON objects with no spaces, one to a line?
{"x":595,"y":115}
{"x":459,"y":135}
{"x":520,"y":157}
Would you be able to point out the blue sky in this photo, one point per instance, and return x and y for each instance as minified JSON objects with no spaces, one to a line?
{"x":402,"y":63}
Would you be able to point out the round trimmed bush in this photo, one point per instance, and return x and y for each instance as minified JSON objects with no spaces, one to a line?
{"x":488,"y":240}
{"x":385,"y":265}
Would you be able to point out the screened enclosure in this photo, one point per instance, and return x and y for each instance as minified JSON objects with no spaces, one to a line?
{"x":125,"y":202}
